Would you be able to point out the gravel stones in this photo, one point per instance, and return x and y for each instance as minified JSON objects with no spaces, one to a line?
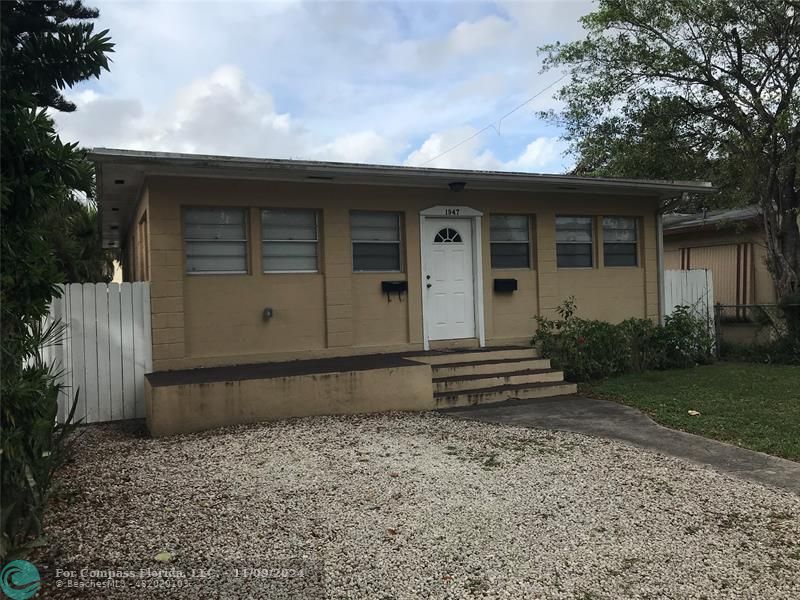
{"x":406,"y":505}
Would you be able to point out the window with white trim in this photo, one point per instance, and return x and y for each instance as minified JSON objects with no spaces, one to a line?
{"x":574,"y":241}
{"x":619,"y":241}
{"x":289,"y":240}
{"x":215,"y":240}
{"x":376,"y":241}
{"x":509,"y":237}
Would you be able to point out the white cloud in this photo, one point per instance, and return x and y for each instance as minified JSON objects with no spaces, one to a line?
{"x":470,"y":37}
{"x":467,"y":155}
{"x":540,"y":155}
{"x":225,"y":113}
{"x":346,"y":81}
{"x":363,"y":146}
{"x":222,"y":113}
{"x":464,"y":41}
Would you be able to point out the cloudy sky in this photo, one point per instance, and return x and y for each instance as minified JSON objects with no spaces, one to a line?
{"x":382,"y":82}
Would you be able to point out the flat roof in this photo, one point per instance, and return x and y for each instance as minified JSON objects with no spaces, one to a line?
{"x":121,"y":175}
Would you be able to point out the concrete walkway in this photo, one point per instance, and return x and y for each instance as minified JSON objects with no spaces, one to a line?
{"x":606,"y":419}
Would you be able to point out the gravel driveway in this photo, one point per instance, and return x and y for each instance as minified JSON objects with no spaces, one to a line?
{"x":412,"y":506}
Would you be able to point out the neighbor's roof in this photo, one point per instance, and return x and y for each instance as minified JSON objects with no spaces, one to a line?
{"x":121,"y":173}
{"x":715,"y":219}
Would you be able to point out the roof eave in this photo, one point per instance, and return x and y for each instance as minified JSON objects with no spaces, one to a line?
{"x":368,"y":173}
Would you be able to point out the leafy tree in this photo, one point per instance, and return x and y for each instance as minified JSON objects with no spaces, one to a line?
{"x":45,"y":47}
{"x":692,"y":89}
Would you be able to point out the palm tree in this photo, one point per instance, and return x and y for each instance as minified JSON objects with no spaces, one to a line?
{"x":74,"y":236}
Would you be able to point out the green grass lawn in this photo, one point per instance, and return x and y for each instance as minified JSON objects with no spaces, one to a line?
{"x":750,"y":405}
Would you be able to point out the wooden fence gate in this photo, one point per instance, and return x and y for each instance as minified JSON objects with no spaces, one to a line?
{"x":105,"y":349}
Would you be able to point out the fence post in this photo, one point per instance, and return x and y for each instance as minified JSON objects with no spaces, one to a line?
{"x":717,"y":331}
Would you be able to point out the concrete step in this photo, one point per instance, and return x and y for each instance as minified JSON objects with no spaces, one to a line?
{"x":502,"y":393}
{"x":486,"y":367}
{"x":476,"y":356}
{"x":493,"y":380}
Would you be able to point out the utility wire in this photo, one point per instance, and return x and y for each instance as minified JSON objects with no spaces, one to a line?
{"x":494,"y":124}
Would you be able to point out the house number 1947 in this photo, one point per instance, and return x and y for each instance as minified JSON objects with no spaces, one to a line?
{"x":451,"y":212}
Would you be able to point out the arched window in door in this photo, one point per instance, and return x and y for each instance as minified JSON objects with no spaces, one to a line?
{"x":447,"y":235}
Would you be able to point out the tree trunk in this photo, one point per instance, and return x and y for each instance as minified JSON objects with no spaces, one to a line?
{"x":780,"y":204}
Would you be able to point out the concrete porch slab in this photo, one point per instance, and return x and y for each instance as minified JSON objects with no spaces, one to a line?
{"x":602,"y":418}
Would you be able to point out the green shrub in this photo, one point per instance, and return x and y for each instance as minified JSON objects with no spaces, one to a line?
{"x":685,"y":341}
{"x":46,"y":48}
{"x":32,"y":445}
{"x":779,"y":327}
{"x":783,"y":351}
{"x":589,"y":349}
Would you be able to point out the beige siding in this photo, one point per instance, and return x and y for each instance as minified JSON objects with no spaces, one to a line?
{"x":672,"y":259}
{"x":721,"y":260}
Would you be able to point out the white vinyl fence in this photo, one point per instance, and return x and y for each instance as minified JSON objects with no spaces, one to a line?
{"x":693,"y":288}
{"x":105,"y":349}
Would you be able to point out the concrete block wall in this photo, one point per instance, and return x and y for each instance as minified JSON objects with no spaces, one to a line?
{"x":207,"y":320}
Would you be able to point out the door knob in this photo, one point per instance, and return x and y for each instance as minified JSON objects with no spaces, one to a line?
{"x":429,"y":285}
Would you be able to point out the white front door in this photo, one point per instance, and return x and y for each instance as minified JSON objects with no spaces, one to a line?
{"x":448,"y":277}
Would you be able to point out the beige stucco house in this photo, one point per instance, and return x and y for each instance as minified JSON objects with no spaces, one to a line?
{"x":432,"y":278}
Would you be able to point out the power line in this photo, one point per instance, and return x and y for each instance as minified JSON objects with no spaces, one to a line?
{"x":495,"y":124}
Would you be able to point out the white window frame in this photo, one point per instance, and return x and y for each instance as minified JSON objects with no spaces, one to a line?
{"x":592,"y":256}
{"x":399,"y":242}
{"x":186,"y":241}
{"x":315,"y":240}
{"x":526,"y":242}
{"x":634,"y":243}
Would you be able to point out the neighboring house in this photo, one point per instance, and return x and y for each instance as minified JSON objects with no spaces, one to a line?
{"x":728,"y":242}
{"x":256,"y":261}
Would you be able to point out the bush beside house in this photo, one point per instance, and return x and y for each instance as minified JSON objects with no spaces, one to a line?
{"x":46,"y":48}
{"x":777,"y":337}
{"x":587,"y":349}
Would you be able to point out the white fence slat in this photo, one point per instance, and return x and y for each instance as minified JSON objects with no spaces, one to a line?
{"x":76,"y":336}
{"x":103,"y":353}
{"x":693,"y":288}
{"x":68,"y":364}
{"x":139,"y":350}
{"x":127,"y":326}
{"x":90,"y":352}
{"x":115,"y":352}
